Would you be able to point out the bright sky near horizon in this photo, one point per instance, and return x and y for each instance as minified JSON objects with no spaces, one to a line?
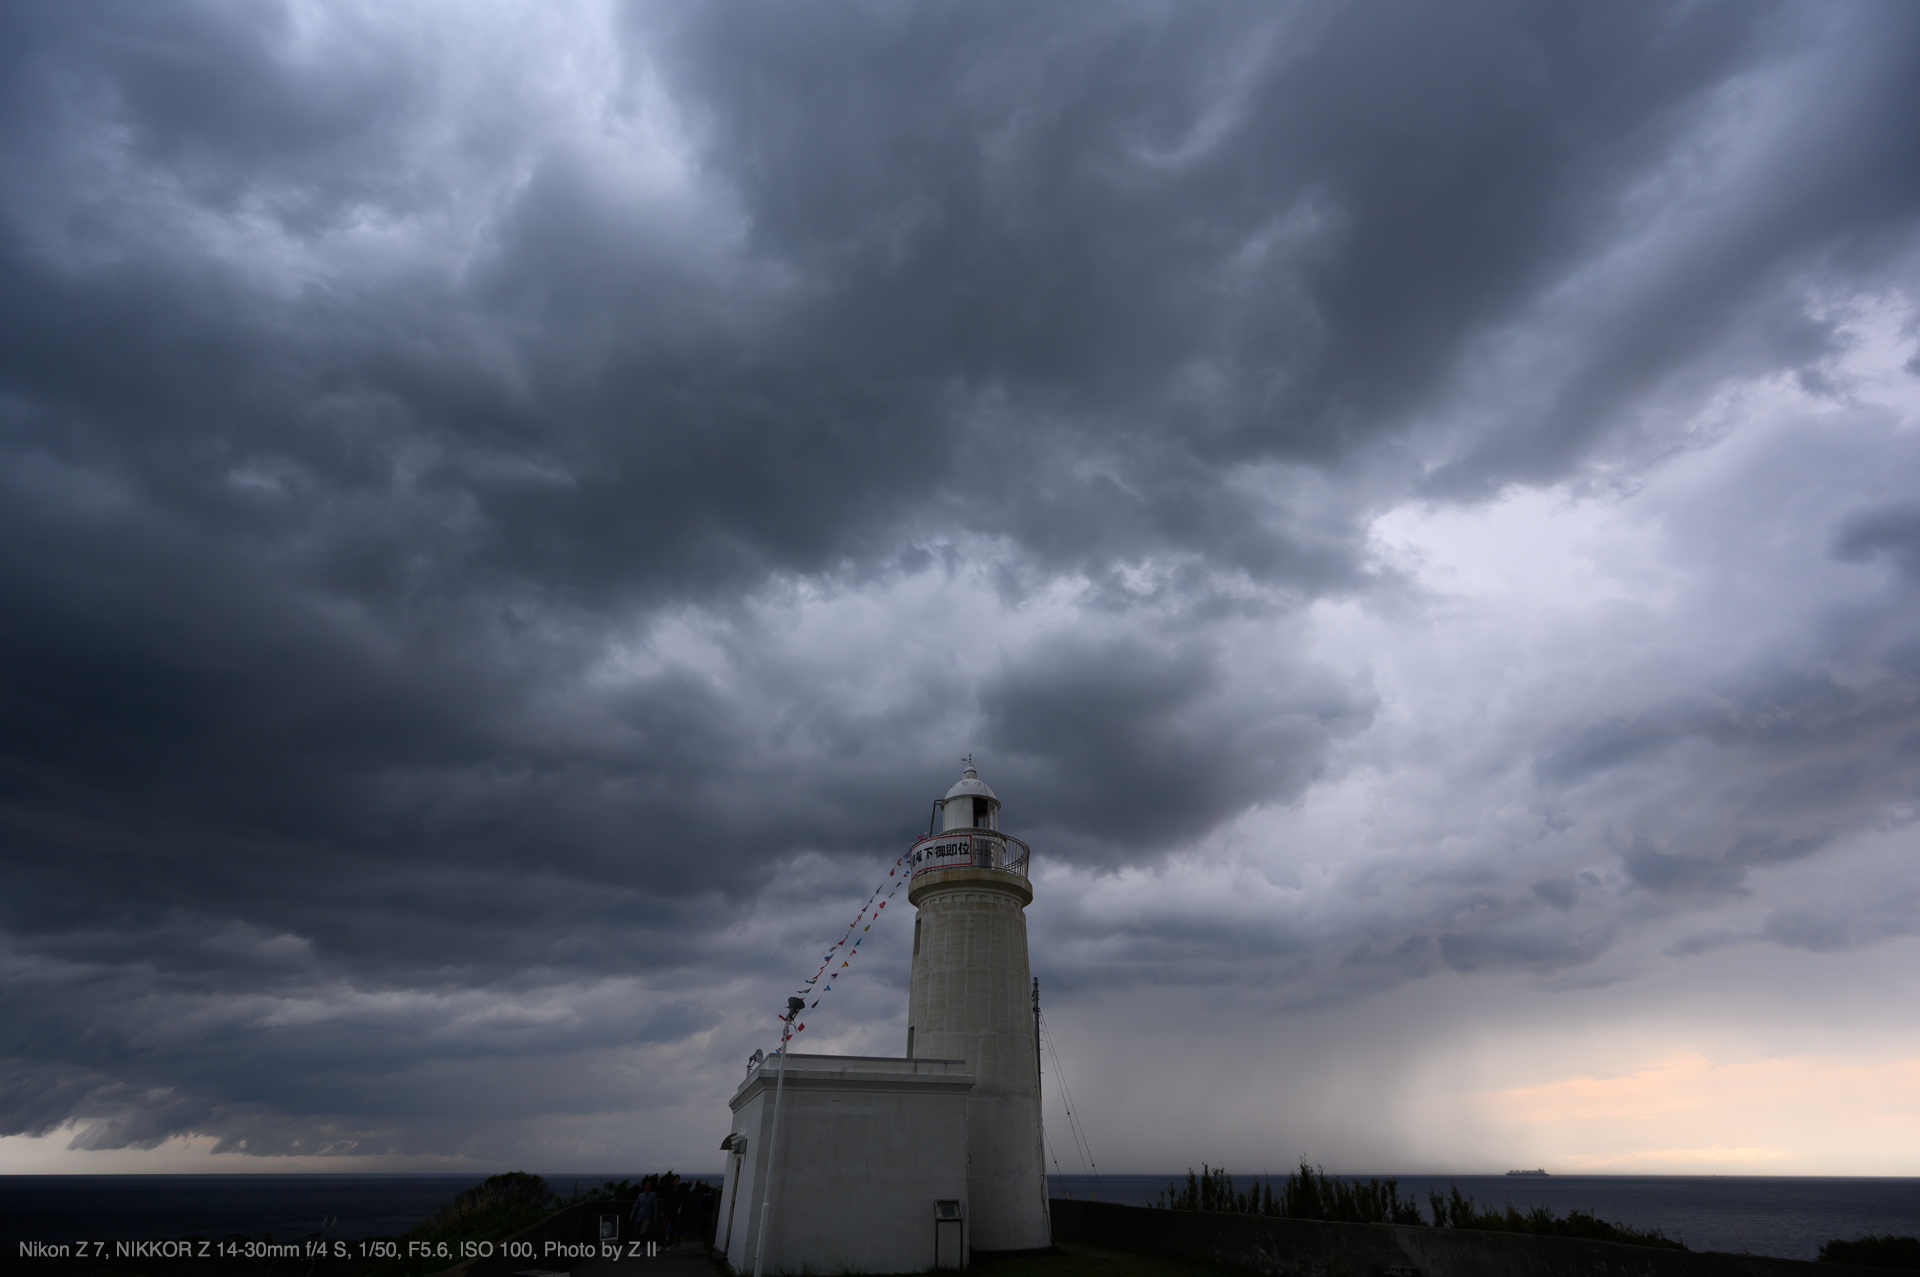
{"x":510,"y":514}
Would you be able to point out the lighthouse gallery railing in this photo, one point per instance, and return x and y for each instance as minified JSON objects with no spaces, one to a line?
{"x":975,"y":848}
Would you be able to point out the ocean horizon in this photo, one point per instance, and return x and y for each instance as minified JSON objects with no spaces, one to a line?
{"x":1784,"y":1216}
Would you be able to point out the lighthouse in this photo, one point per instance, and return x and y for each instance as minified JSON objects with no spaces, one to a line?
{"x":892,"y":1164}
{"x":970,"y":999}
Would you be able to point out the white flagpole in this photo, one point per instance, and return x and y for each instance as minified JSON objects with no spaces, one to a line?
{"x":773,"y":1138}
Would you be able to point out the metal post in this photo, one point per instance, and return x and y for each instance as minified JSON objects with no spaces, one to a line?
{"x":1036,"y":1029}
{"x":1040,"y":1114}
{"x":773,"y":1137}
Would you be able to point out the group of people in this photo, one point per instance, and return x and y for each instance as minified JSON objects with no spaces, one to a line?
{"x":669,"y":1209}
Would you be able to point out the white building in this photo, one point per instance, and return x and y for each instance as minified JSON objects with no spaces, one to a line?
{"x":899,"y":1165}
{"x":868,"y":1147}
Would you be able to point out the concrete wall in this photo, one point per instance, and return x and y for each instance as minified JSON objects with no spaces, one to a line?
{"x":866,"y":1146}
{"x":1310,"y":1248}
{"x":970,"y":999}
{"x":740,"y":1177}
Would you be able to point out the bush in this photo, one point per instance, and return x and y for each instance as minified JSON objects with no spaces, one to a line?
{"x":1874,"y":1252}
{"x":516,"y":1192}
{"x":1311,"y":1193}
{"x":1455,"y":1211}
{"x":608,"y":1191}
{"x":498,"y":1207}
{"x":1307,"y":1194}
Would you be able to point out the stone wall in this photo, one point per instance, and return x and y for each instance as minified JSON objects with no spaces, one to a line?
{"x":1310,"y":1248}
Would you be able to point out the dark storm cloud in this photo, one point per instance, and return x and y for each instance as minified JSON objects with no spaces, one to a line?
{"x":1661,"y":872}
{"x":1137,"y":749}
{"x":329,"y":1067}
{"x":1788,"y":756}
{"x":364,"y":404}
{"x":1891,"y":534}
{"x":1281,"y":234}
{"x":1562,"y":892}
{"x":1535,"y":948}
{"x":1825,"y":928}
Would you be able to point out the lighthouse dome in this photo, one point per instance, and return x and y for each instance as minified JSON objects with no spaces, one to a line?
{"x":970,"y":783}
{"x":971,"y":803}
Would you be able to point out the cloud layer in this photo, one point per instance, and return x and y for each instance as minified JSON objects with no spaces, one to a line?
{"x":509,"y":517}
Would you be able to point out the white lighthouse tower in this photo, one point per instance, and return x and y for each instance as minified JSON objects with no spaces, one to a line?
{"x":884,"y":1164}
{"x":970,"y":1000}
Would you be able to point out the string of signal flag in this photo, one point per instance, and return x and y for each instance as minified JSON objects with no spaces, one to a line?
{"x":813,"y":987}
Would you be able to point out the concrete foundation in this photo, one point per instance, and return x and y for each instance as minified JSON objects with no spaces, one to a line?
{"x":868,"y":1146}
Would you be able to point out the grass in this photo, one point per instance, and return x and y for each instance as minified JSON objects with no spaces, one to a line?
{"x":1307,"y":1194}
{"x":1071,"y":1259}
{"x":1874,"y":1252}
{"x":1455,"y":1211}
{"x":489,"y":1211}
{"x":1310,"y":1193}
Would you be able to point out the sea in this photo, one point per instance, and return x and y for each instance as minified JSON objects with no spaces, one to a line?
{"x":1786,"y":1217}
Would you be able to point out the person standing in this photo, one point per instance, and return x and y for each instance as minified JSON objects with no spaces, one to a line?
{"x":673,"y":1197}
{"x":646,"y":1209}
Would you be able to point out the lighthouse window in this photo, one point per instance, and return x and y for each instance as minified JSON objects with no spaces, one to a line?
{"x":983,"y":813}
{"x":916,"y":939}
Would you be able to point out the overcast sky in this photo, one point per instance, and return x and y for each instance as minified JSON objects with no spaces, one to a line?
{"x":511,"y":513}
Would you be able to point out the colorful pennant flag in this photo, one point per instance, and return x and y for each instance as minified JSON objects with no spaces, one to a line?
{"x":869,"y":914}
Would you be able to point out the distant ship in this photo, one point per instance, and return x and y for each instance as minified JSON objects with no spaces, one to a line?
{"x":1526,"y":1172}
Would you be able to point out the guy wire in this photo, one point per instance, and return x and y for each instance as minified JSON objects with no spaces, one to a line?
{"x":1074,"y":1124}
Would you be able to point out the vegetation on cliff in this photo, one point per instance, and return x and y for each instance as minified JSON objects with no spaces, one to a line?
{"x":1307,"y":1194}
{"x":1874,"y":1252}
{"x":1456,"y":1211}
{"x":498,"y":1207}
{"x":1310,"y":1193}
{"x":490,"y":1211}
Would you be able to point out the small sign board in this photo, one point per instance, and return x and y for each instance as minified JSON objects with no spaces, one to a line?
{"x":946,"y":1208}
